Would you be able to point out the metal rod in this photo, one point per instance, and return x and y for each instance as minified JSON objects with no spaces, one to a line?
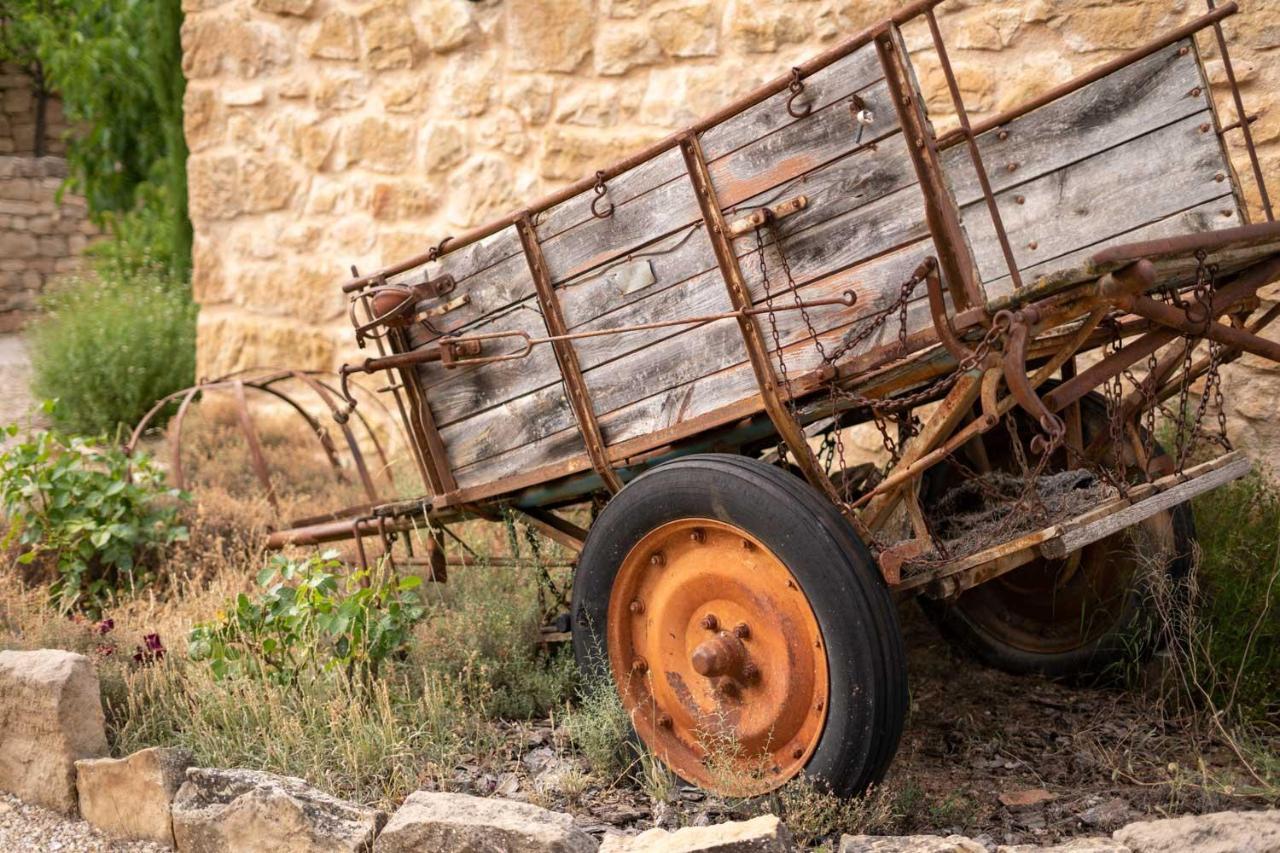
{"x":974,"y":154}
{"x":1169,"y":38}
{"x":567,"y":358}
{"x":940,"y":207}
{"x":768,"y":90}
{"x":1242,"y":118}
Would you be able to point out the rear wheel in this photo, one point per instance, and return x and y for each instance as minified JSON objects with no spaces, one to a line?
{"x":745,"y":627}
{"x":1084,"y":615}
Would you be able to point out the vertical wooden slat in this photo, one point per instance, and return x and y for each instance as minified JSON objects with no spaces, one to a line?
{"x":566,"y":357}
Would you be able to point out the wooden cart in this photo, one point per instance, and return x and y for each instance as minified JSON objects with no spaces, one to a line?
{"x":690,"y":333}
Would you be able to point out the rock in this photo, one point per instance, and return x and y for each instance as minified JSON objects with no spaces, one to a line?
{"x":619,"y":49}
{"x":335,"y":38}
{"x":764,"y":834}
{"x":50,"y":718}
{"x":1107,"y":815}
{"x":1078,"y":845}
{"x":687,"y":30}
{"x":549,"y":35}
{"x":445,"y":24}
{"x":285,"y":7}
{"x":1224,"y":832}
{"x":457,"y":822}
{"x":248,"y":811}
{"x":381,"y":145}
{"x":130,"y":797}
{"x":1023,"y":799}
{"x":909,"y":844}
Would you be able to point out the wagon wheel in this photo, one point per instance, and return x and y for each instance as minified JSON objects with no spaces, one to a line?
{"x":1084,"y":615}
{"x":744,"y":626}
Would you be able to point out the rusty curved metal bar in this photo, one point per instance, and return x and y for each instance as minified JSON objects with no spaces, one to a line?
{"x":250,"y":432}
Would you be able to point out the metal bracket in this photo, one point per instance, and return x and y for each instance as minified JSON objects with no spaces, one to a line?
{"x":764,"y":215}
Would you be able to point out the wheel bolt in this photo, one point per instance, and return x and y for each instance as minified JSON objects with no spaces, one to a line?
{"x":664,"y":720}
{"x":797,"y":753}
{"x":657,"y":559}
{"x":710,"y":622}
{"x":698,"y":536}
{"x":741,"y":631}
{"x":637,"y":607}
{"x":748,"y":545}
{"x":640,"y":666}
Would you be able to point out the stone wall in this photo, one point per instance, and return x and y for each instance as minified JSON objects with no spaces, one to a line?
{"x":326,"y":133}
{"x":18,"y":106}
{"x":40,"y":237}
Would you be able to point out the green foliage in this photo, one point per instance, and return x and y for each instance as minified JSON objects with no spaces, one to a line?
{"x":117,"y":66}
{"x":600,"y":727}
{"x":1239,"y":531}
{"x":75,"y":503}
{"x":108,"y":350}
{"x":309,"y":619}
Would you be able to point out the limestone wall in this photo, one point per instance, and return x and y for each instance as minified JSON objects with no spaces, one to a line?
{"x":18,"y":106}
{"x":326,"y":133}
{"x":40,"y":238}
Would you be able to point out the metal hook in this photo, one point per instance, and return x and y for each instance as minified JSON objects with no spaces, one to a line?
{"x":600,"y":190}
{"x":797,"y":89}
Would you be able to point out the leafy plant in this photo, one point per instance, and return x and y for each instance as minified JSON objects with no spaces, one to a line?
{"x":107,"y":350}
{"x":117,"y":66}
{"x":99,"y":516}
{"x":309,"y":619}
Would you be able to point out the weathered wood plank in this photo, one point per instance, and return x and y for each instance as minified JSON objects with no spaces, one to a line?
{"x":1116,"y":191}
{"x":1122,"y":106}
{"x":889,"y":222}
{"x":680,"y":360}
{"x":1212,"y":215}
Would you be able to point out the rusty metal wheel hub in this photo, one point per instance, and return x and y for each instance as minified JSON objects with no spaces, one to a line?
{"x":718,"y":657}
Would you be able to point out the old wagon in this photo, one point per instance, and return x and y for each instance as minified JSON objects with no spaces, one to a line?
{"x":687,"y":336}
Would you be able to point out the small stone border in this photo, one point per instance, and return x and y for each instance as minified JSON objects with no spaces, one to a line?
{"x":53,"y":754}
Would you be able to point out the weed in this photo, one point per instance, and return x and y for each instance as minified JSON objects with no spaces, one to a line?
{"x":600,"y":729}
{"x":814,"y":815}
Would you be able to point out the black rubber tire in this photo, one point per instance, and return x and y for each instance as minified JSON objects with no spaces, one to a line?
{"x":865,"y":657}
{"x":1131,"y":639}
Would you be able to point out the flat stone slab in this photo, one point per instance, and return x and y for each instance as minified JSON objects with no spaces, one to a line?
{"x":764,"y":834}
{"x":443,"y":823}
{"x":248,"y":811}
{"x":1222,"y":832}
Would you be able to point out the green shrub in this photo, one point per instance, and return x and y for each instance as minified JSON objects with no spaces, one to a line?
{"x":74,"y":503}
{"x":107,"y":351}
{"x":309,"y":620}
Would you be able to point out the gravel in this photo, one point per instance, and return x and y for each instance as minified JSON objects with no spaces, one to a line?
{"x":26,"y":828}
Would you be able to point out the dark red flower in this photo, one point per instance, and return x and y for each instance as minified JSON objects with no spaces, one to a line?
{"x":106,"y":626}
{"x":152,"y":650}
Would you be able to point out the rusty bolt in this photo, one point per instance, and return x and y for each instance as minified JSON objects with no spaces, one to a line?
{"x":637,"y":607}
{"x":1183,"y":51}
{"x":742,"y":631}
{"x":657,"y":559}
{"x":664,"y":720}
{"x":1011,"y":168}
{"x":748,"y":545}
{"x":1002,"y":135}
{"x":710,"y":622}
{"x":1033,"y":245}
{"x":640,"y":666}
{"x":1204,"y":128}
{"x":1219,"y":177}
{"x":1020,"y":199}
{"x":1195,"y":93}
{"x":818,"y":707}
{"x":698,"y":536}
{"x":797,"y":753}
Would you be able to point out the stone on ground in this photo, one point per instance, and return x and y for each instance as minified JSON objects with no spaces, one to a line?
{"x":248,"y":811}
{"x":130,"y":797}
{"x":1078,"y":845}
{"x":1224,"y":832}
{"x":909,"y":844}
{"x":50,"y":717}
{"x":764,"y":834}
{"x":457,"y":822}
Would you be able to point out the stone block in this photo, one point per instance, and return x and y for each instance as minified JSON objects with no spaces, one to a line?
{"x":50,"y":718}
{"x":764,"y":834}
{"x":130,"y":797}
{"x":549,"y":35}
{"x":445,"y":822}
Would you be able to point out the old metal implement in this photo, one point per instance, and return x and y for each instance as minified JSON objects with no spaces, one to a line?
{"x":811,"y":258}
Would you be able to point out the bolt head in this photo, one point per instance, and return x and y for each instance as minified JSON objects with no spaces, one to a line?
{"x":657,"y":559}
{"x":664,"y":720}
{"x":797,"y":752}
{"x":640,"y":666}
{"x":637,"y":607}
{"x":742,"y":631}
{"x":1002,"y":135}
{"x":748,"y":545}
{"x":710,"y":622}
{"x":698,"y":536}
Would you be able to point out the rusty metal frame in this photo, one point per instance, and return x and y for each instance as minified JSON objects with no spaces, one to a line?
{"x":753,"y":338}
{"x":566,"y":357}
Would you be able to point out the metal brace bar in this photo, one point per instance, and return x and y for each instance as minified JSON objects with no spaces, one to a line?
{"x":740,"y":297}
{"x":566,"y":357}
